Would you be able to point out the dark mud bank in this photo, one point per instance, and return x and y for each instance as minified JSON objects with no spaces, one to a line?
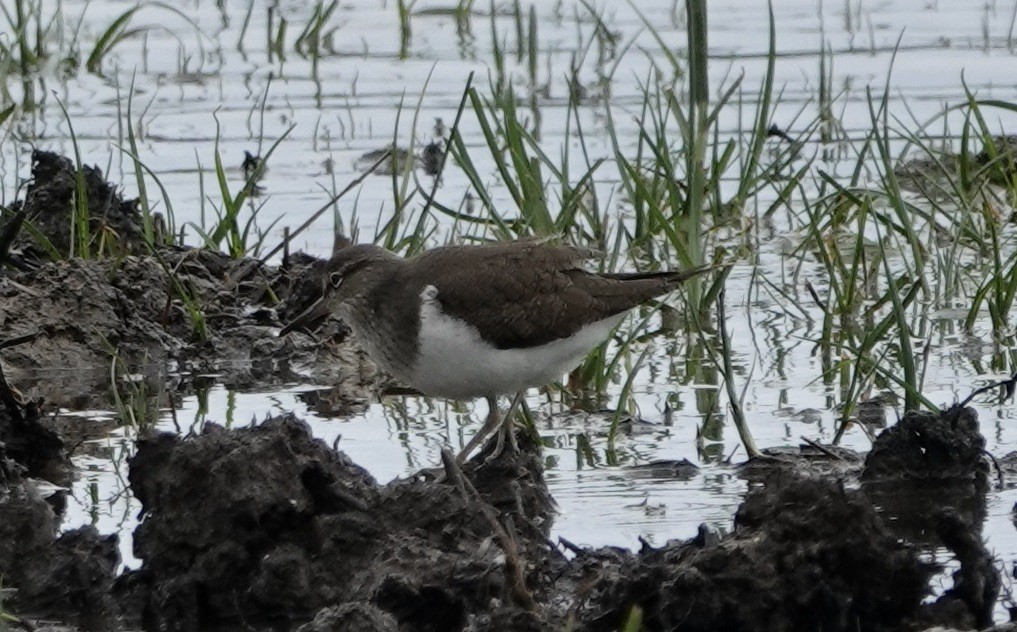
{"x":155,"y":311}
{"x":268,"y":528}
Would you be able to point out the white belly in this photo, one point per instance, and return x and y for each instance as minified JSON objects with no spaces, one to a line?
{"x":454,"y":361}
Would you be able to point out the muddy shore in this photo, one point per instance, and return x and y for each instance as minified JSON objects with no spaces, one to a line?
{"x":269,"y":528}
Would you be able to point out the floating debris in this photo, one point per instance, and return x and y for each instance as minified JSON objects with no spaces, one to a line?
{"x":432,"y":157}
{"x":254,"y":168}
{"x":398,"y":161}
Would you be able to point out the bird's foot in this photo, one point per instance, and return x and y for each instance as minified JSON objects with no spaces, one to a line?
{"x":506,"y":436}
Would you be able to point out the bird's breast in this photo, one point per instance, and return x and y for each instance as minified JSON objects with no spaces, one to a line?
{"x":454,"y":360}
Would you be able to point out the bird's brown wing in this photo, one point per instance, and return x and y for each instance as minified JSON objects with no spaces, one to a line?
{"x":525,"y":294}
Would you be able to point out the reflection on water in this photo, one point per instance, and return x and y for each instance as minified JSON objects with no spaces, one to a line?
{"x":599,"y":504}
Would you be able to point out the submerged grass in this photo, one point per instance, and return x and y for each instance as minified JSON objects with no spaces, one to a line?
{"x":136,"y":407}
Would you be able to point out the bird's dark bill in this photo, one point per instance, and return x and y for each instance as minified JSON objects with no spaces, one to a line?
{"x":309,"y":319}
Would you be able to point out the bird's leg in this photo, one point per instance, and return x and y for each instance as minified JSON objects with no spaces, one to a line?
{"x":494,"y":422}
{"x":493,"y":419}
{"x":507,"y":429}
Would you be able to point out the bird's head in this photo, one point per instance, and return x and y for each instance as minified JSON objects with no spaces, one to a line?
{"x":351,"y":273}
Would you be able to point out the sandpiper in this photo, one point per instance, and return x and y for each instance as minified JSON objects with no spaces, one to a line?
{"x":480,"y":321}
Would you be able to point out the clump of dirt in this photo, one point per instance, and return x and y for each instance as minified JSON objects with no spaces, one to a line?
{"x":72,"y":578}
{"x":197,"y":310}
{"x":293,"y":528}
{"x":805,"y":555}
{"x":140,"y":305}
{"x":27,"y":522}
{"x":68,"y":576}
{"x":49,"y":207}
{"x":931,"y":447}
{"x":929,"y":473}
{"x":148,"y":306}
{"x":924,"y":465}
{"x":29,"y":443}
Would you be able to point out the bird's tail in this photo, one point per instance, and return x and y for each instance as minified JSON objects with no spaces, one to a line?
{"x":620,"y":291}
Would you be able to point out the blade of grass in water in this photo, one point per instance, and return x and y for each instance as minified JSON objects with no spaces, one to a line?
{"x":80,"y":232}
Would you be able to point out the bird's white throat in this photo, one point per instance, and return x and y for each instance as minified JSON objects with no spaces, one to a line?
{"x":455,"y":361}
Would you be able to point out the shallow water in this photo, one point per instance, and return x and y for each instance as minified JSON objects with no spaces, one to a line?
{"x":348,"y":104}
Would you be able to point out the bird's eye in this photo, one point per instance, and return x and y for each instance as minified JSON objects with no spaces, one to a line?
{"x":335,"y":280}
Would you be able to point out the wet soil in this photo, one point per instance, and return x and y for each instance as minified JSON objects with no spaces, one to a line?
{"x":268,"y":528}
{"x":295,"y":527}
{"x":169,"y":314}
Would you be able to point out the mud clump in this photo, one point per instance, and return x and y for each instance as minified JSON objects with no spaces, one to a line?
{"x":928,"y":447}
{"x":268,"y":524}
{"x":70,"y":576}
{"x":925,"y":465}
{"x":144,"y":305}
{"x":805,"y":555}
{"x":49,"y":207}
{"x":256,"y":546}
{"x":930,"y":474}
{"x":196,"y":309}
{"x":27,"y":523}
{"x":32,"y":446}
